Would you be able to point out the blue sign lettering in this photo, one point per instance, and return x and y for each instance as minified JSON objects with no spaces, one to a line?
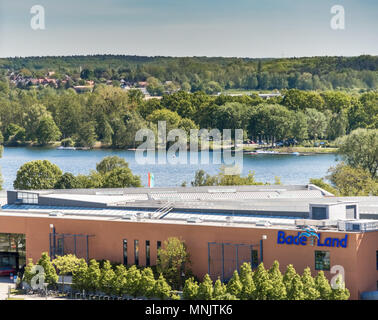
{"x":302,"y":240}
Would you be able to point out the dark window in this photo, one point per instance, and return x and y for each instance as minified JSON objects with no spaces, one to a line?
{"x":254,"y":259}
{"x":322,"y":260}
{"x":125,"y":252}
{"x":319,"y":213}
{"x":136,"y":252}
{"x":147,"y":252}
{"x":158,"y":245}
{"x":377,"y":260}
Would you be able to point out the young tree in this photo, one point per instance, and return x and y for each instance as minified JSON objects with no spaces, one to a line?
{"x":296,"y":289}
{"x":107,"y":278}
{"x":173,"y":260}
{"x":37,"y":175}
{"x":79,"y":276}
{"x":28,"y":274}
{"x":47,"y":130}
{"x":93,"y":276}
{"x":288,"y":277}
{"x":278,"y":290}
{"x":66,"y":264}
{"x":309,"y":288}
{"x":121,"y":178}
{"x":340,"y":292}
{"x":133,"y":281}
{"x":190,"y":291}
{"x":322,"y":286}
{"x":262,"y":282}
{"x":234,"y":286}
{"x":205,"y":290}
{"x":220,"y":290}
{"x":110,"y":163}
{"x":119,"y":280}
{"x":50,"y":273}
{"x":162,"y":289}
{"x":147,"y":282}
{"x":246,"y":278}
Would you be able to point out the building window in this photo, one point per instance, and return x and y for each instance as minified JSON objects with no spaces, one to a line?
{"x":125,"y":252}
{"x":322,"y":260}
{"x":27,"y":198}
{"x":254,"y":259}
{"x":319,"y":213}
{"x":148,"y":253}
{"x":377,"y":258}
{"x":136,"y":252}
{"x":158,"y":245}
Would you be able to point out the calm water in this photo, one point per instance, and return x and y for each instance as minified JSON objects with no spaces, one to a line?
{"x":291,"y":169}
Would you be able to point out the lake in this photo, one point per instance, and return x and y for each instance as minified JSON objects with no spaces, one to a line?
{"x":290,"y":168}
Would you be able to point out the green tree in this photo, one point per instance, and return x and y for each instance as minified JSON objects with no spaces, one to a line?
{"x":107,"y":278}
{"x":220,"y":290}
{"x":288,"y":277}
{"x":296,"y":289}
{"x":28,"y":274}
{"x":47,"y":130}
{"x":316,"y":123}
{"x":66,"y":264}
{"x":121,"y":178}
{"x":360,"y":149}
{"x":67,"y":181}
{"x":340,"y":292}
{"x":37,"y":175}
{"x":321,"y":184}
{"x":79,"y":276}
{"x":50,"y":273}
{"x":133,"y":281}
{"x":351,"y":181}
{"x":234,"y":286}
{"x":205,"y":290}
{"x":246,"y":278}
{"x":262,"y":282}
{"x":278,"y":289}
{"x":162,"y":289}
{"x":86,"y":135}
{"x":93,"y":276}
{"x":119,"y":280}
{"x":173,"y":260}
{"x":309,"y":287}
{"x":322,"y":286}
{"x":190,"y":291}
{"x":147,"y":282}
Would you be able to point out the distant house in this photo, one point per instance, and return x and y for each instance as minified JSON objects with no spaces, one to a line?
{"x":142,"y":84}
{"x":81,"y":89}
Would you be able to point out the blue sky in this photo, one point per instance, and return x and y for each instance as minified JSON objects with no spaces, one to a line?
{"x":241,"y":28}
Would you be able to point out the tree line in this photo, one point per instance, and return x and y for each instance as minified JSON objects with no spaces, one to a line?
{"x":207,"y":74}
{"x":112,"y":116}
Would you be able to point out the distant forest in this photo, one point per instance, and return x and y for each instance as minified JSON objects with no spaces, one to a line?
{"x":201,"y":73}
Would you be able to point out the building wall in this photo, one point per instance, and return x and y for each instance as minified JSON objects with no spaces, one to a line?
{"x":358,"y":259}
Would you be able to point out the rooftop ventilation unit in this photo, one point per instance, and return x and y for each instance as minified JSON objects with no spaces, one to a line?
{"x":229,"y":219}
{"x":56,"y":213}
{"x":263,"y":223}
{"x":193,"y":220}
{"x":128,"y":216}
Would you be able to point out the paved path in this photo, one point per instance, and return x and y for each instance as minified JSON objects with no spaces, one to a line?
{"x":4,"y":283}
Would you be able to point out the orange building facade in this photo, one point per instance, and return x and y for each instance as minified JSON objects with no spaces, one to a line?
{"x":357,"y":255}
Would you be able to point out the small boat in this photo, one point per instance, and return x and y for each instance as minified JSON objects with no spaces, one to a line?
{"x":295,"y":154}
{"x":65,"y":148}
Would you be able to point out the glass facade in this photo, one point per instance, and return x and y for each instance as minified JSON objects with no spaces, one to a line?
{"x":28,"y":198}
{"x":322,"y":260}
{"x":12,"y":250}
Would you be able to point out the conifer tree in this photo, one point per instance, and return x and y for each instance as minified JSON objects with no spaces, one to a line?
{"x":262,"y":282}
{"x":162,"y":289}
{"x":133,"y":278}
{"x":107,"y":278}
{"x":296,"y":289}
{"x":323,"y":286}
{"x":278,"y":290}
{"x":93,"y":276}
{"x":246,"y":278}
{"x":79,"y":276}
{"x":50,"y":273}
{"x":147,"y":282}
{"x":190,"y":290}
{"x":219,"y":290}
{"x":309,"y":288}
{"x":28,"y":274}
{"x":340,"y":292}
{"x":205,"y":289}
{"x":234,"y":286}
{"x":288,"y":277}
{"x":119,"y":280}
